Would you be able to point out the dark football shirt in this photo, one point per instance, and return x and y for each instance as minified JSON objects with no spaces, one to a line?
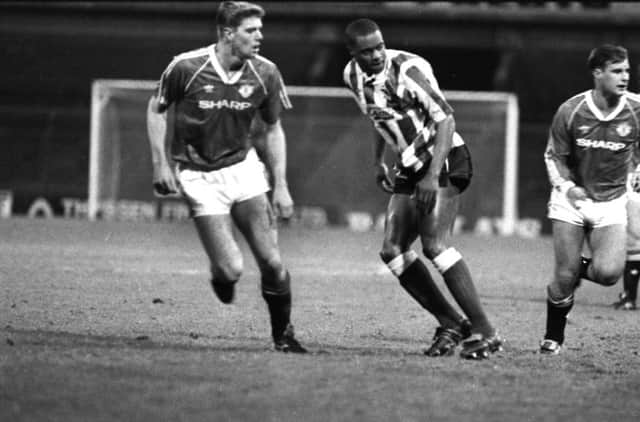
{"x":596,"y":150}
{"x":214,"y":109}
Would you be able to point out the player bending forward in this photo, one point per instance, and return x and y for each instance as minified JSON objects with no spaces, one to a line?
{"x":400,"y":94}
{"x":216,"y":92}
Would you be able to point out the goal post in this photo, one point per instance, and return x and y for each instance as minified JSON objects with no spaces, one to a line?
{"x":329,"y":150}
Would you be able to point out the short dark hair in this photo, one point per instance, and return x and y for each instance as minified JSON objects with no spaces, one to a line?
{"x":605,"y":54}
{"x":231,"y":13}
{"x":359,"y":28}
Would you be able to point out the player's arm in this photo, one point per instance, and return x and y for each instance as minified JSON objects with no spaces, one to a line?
{"x":382,"y":172}
{"x":556,"y":156}
{"x":421,"y":82}
{"x":273,"y":150}
{"x":164,"y":181}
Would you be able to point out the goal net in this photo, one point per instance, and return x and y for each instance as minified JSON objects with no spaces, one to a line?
{"x":329,"y":151}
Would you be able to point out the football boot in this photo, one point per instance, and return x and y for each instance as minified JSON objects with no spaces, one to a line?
{"x":445,"y":340}
{"x":550,"y":347}
{"x":477,"y":346}
{"x":625,"y":303}
{"x":287,"y":342}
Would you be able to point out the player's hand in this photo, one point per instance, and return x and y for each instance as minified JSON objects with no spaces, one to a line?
{"x":164,"y":181}
{"x":382,"y":178}
{"x":426,"y":193}
{"x":282,"y":202}
{"x":576,"y":196}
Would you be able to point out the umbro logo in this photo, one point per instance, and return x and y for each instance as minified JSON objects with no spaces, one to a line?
{"x":208,"y":89}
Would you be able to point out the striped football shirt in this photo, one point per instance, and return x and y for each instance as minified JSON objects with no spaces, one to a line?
{"x":404,"y":103}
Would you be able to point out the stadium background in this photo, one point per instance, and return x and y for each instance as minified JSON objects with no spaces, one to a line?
{"x":52,"y":52}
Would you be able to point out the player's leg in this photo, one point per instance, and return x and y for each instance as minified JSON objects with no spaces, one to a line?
{"x":608,"y":246}
{"x":256,"y":220}
{"x":435,"y":230}
{"x":225,"y":257}
{"x":252,"y":213}
{"x":210,"y":207}
{"x":567,"y":243}
{"x":414,"y":276}
{"x":628,"y":296}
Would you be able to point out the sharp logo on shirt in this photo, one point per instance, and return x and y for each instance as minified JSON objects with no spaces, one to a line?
{"x":246,"y":90}
{"x":595,"y":143}
{"x":623,"y":129}
{"x":233,"y":105}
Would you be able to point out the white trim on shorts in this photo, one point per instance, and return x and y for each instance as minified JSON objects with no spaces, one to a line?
{"x":215,"y":192}
{"x":594,"y":214}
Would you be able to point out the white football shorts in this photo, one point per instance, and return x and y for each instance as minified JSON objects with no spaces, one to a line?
{"x":214,"y":192}
{"x":592,"y":213}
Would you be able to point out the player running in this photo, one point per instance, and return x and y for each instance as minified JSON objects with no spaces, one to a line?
{"x":631,"y":274}
{"x":400,"y":94}
{"x":216,"y":92}
{"x":588,"y":156}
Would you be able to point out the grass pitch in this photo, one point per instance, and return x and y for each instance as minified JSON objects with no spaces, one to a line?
{"x":116,"y":321}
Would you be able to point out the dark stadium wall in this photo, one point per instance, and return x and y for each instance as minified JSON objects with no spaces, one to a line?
{"x":52,"y":51}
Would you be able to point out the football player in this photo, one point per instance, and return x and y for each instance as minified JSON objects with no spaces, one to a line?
{"x":588,"y":155}
{"x":215,"y":92}
{"x":401,"y":96}
{"x":631,"y":274}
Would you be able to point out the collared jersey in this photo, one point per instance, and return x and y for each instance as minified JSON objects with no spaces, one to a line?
{"x":590,"y":149}
{"x":214,"y":109}
{"x":404,"y":102}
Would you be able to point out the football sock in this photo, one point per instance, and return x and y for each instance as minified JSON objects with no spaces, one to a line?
{"x":278,"y":298}
{"x":415,"y":278}
{"x":630,"y":279}
{"x":457,"y":276}
{"x":557,"y":311}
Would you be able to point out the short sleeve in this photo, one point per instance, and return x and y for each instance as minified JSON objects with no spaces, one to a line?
{"x":171,"y":85}
{"x":419,"y":79}
{"x":277,"y":98}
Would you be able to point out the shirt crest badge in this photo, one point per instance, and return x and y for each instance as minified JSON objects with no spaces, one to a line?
{"x":246,"y":90}
{"x":623,"y":129}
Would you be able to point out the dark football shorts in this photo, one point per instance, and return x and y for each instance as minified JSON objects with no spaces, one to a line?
{"x":458,"y":173}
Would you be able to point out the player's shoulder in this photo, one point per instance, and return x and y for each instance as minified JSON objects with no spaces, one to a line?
{"x":349,"y":72}
{"x":192,"y":56}
{"x":188,"y":61}
{"x":633,"y":99}
{"x":405,"y":60}
{"x":573,"y":103}
{"x":263,"y":65}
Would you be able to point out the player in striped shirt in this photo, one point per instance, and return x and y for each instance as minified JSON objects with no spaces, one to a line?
{"x":588,"y":157}
{"x":215,"y":93}
{"x":399,"y":93}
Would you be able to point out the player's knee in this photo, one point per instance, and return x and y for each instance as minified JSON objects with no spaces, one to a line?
{"x":607,"y":274}
{"x":390,"y":251}
{"x":564,"y":283}
{"x":433,"y":249}
{"x":559,"y":290}
{"x":398,"y":264}
{"x":229,"y":271}
{"x":276,"y":283}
